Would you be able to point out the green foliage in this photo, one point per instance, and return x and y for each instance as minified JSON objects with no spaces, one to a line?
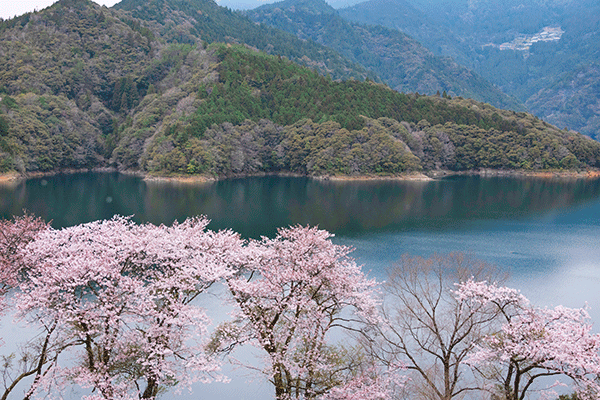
{"x":306,"y":147}
{"x":145,"y":96}
{"x":47,"y":133}
{"x":8,"y":101}
{"x":402,"y":63}
{"x":328,"y":149}
{"x":125,"y":94}
{"x":253,"y":85}
{"x":172,"y":57}
{"x":6,"y":149}
{"x":6,"y":162}
{"x":3,"y":126}
{"x":382,"y":147}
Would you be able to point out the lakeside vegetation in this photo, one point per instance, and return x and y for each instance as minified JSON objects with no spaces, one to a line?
{"x":87,"y":87}
{"x":267,"y":114}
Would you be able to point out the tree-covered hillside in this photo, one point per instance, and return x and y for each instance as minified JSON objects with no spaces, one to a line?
{"x":403,"y":63}
{"x":266,"y":114}
{"x":554,"y":79}
{"x":72,"y":73}
{"x":84,"y":86}
{"x":187,"y":21}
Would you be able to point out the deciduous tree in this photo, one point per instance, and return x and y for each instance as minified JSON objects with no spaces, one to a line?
{"x":533,"y":343}
{"x":426,"y":329}
{"x":300,"y":287}
{"x":121,"y":295}
{"x":15,"y":235}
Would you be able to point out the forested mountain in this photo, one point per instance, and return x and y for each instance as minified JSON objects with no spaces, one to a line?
{"x":93,"y":65}
{"x":423,"y":25}
{"x":403,"y":63}
{"x":84,"y":86}
{"x":187,"y":21}
{"x":502,"y":41}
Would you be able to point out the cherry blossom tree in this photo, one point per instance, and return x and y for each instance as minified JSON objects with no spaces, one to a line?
{"x":120,"y":299}
{"x":123,"y":295}
{"x":33,"y":357}
{"x":370,"y":384}
{"x":299,"y":288}
{"x":426,"y":328}
{"x":533,"y":342}
{"x":15,"y":234}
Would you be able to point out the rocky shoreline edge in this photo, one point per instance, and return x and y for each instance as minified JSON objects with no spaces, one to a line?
{"x":11,"y":178}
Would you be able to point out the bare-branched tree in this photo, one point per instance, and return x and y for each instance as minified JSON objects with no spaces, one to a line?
{"x":427,"y":329}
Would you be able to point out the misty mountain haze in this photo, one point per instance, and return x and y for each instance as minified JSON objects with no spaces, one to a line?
{"x":189,"y":87}
{"x":556,"y":80}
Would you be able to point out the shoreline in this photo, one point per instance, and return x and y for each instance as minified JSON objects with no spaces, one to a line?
{"x":587,"y":174}
{"x":13,"y":178}
{"x":10,"y":178}
{"x":416,"y":177}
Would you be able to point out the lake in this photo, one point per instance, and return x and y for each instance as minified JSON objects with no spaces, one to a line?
{"x":545,"y":232}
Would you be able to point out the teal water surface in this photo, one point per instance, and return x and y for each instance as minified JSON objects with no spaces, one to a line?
{"x":545,"y":233}
{"x":536,"y":228}
{"x":256,"y":206}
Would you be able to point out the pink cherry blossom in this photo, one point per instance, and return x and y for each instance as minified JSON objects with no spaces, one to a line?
{"x":15,"y":234}
{"x":535,"y":342}
{"x":300,"y":286}
{"x":121,"y":295}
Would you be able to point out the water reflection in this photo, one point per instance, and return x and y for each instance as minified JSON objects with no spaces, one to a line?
{"x":545,"y":232}
{"x":75,"y":198}
{"x":257,"y":206}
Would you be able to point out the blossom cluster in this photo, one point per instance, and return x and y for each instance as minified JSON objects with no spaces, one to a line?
{"x":116,"y":307}
{"x":534,"y":342}
{"x":121,"y":299}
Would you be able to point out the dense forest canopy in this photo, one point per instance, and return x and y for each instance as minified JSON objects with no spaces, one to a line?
{"x":83,"y":86}
{"x":557,"y":79}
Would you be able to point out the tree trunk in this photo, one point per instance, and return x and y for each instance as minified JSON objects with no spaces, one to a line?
{"x":151,"y":389}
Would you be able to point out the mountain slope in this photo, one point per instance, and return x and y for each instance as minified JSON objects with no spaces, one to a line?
{"x":572,"y":100}
{"x":99,"y":63}
{"x":84,"y":86}
{"x":264,"y":114}
{"x":399,"y":60}
{"x":485,"y":36}
{"x":186,"y":21}
{"x":405,"y":17}
{"x":62,"y":67}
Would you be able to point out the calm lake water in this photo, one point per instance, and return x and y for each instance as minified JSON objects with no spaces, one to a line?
{"x":544,"y":232}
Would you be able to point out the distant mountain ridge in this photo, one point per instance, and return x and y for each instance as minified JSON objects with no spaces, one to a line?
{"x":555,"y":80}
{"x":83,"y":86}
{"x":187,"y":21}
{"x":405,"y":17}
{"x":402,"y":63}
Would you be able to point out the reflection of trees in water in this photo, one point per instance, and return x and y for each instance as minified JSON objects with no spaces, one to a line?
{"x":360,"y":206}
{"x":74,"y":198}
{"x":257,"y":206}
